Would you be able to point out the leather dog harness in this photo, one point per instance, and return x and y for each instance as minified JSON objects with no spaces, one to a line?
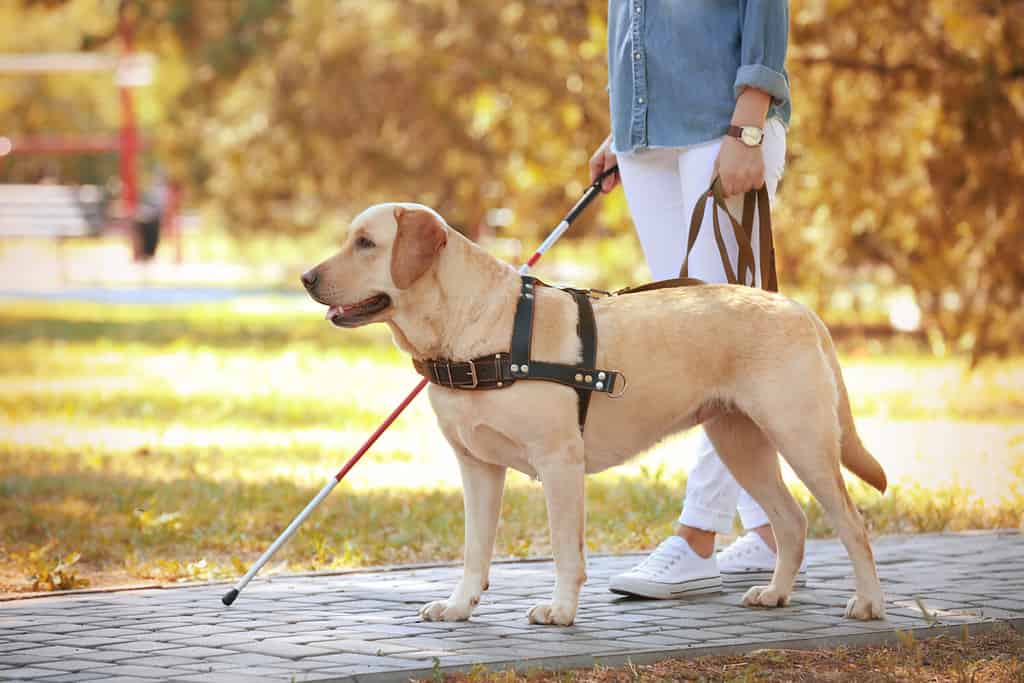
{"x":501,"y":370}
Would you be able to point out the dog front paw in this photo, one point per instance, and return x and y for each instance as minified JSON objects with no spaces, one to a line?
{"x":865,"y":609}
{"x":765,"y":596}
{"x":443,"y":610}
{"x":551,"y":614}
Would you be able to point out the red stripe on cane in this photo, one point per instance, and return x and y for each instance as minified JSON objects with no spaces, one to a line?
{"x":380,"y":430}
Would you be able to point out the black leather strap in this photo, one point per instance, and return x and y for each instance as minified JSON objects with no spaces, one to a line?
{"x":574,"y":376}
{"x":522,"y":327}
{"x":586,"y":329}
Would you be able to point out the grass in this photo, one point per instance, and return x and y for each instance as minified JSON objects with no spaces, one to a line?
{"x":995,"y":655}
{"x":168,"y":443}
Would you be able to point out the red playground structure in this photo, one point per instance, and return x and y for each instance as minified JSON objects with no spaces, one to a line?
{"x":30,"y":210}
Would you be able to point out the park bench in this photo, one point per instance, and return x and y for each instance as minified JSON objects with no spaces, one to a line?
{"x":56,"y":213}
{"x":51,"y":211}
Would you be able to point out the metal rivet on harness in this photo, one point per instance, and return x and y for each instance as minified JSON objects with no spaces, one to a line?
{"x":599,"y":385}
{"x":524,"y":368}
{"x":515,"y":367}
{"x":601,"y":375}
{"x":589,"y":379}
{"x":578,"y":377}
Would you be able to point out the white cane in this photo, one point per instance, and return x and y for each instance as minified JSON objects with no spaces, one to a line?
{"x":592,"y":191}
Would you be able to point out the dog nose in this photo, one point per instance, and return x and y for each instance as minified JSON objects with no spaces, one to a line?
{"x":309,"y":278}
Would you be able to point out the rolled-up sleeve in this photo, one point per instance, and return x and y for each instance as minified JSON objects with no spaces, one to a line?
{"x":764,"y":36}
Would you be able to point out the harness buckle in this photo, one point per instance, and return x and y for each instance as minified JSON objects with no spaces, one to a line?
{"x":449,"y":381}
{"x":472,"y":376}
{"x":447,"y":366}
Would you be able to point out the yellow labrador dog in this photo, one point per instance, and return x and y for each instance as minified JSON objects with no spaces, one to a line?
{"x":755,"y":368}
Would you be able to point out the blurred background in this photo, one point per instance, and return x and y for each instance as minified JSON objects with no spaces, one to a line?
{"x":170,"y":399}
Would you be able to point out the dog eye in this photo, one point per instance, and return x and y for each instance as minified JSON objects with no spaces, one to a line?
{"x":364,"y":242}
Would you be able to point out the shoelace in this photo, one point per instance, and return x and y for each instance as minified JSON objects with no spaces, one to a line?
{"x":662,"y":558}
{"x":745,"y":546}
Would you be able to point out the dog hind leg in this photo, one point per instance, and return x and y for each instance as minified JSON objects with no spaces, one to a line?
{"x":753,"y":461}
{"x":809,"y":440}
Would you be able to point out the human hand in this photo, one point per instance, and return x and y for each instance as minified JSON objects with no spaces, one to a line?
{"x":740,"y":167}
{"x":603,"y":159}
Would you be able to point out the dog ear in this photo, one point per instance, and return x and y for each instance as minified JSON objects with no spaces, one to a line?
{"x":419,"y":238}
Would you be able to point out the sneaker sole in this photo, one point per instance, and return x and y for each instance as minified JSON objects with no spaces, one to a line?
{"x":752,"y":578}
{"x":666,"y":591}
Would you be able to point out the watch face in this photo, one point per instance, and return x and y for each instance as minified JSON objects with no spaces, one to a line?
{"x":751,"y":135}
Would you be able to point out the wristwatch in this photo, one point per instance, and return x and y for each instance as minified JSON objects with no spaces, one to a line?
{"x":751,"y":136}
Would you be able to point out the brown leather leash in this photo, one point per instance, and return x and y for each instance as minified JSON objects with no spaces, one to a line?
{"x":753,"y":200}
{"x":744,"y":232}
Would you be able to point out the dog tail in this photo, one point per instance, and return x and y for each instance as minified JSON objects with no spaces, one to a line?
{"x":854,"y":456}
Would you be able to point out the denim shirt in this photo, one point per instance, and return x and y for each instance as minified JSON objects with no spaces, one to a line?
{"x":676,"y":67}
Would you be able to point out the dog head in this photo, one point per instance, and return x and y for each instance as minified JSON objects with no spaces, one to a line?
{"x":389,"y":248}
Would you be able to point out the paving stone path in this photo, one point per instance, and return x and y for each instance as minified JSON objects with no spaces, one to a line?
{"x":364,"y":626}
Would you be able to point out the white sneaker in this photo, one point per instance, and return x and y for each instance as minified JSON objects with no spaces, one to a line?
{"x":749,"y":560}
{"x":673,"y":570}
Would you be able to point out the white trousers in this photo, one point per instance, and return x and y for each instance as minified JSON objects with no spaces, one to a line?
{"x":662,"y":187}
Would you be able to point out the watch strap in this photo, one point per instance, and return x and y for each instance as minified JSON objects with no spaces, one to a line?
{"x":737,"y":132}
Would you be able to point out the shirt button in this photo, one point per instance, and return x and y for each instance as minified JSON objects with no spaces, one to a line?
{"x":636,"y":55}
{"x":640,"y":100}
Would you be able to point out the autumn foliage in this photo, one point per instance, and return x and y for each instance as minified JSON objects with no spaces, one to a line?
{"x":906,"y":157}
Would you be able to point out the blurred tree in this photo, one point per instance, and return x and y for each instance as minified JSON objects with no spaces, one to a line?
{"x":458,"y":105}
{"x":906,"y":160}
{"x":65,"y":104}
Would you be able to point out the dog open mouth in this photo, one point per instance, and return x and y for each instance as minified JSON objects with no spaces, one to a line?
{"x":359,"y":312}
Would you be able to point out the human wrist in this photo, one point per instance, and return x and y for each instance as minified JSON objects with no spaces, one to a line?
{"x":751,"y":108}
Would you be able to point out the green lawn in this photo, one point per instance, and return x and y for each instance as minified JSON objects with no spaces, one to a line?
{"x":175,"y":442}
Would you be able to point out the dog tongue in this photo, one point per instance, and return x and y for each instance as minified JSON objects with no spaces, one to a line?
{"x":332,"y":311}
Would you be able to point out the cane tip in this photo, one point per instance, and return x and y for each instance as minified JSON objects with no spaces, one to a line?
{"x":230,"y":596}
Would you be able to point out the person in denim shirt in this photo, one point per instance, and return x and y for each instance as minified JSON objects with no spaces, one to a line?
{"x":696,"y":88}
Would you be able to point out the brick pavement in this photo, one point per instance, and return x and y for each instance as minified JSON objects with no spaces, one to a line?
{"x":364,"y":626}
